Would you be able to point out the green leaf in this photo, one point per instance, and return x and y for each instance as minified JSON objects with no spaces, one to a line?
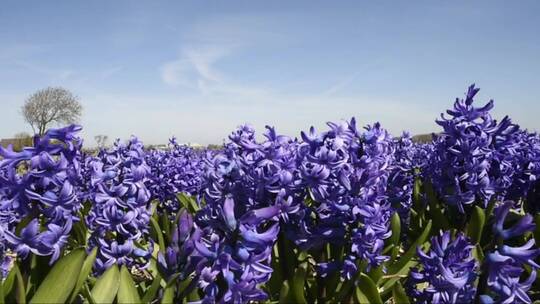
{"x":182,"y":287}
{"x":188,"y":202}
{"x":106,"y":286}
{"x":159,"y":234}
{"x":85,"y":291}
{"x":376,"y":273}
{"x":40,"y":267}
{"x":393,"y":279}
{"x":168,"y":295}
{"x":476,"y":225}
{"x":478,"y":253}
{"x":166,"y":224}
{"x":59,"y":283}
{"x":20,"y":295}
{"x":193,"y":296}
{"x":276,"y":280}
{"x":284,"y":296}
{"x":287,"y":257}
{"x":298,"y":283}
{"x":395,"y":225}
{"x":2,"y":301}
{"x":84,"y":274}
{"x":405,"y":258}
{"x":127,"y":291}
{"x":152,"y":290}
{"x":399,"y":295}
{"x":8,"y":283}
{"x":435,"y":211}
{"x":79,"y":232}
{"x":366,"y":291}
{"x":417,"y":194}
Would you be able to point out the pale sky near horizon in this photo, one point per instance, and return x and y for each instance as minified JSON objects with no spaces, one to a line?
{"x":197,"y":69}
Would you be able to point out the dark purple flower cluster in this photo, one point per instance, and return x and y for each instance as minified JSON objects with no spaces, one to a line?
{"x":473,"y":157}
{"x":345,"y":172}
{"x":39,"y":187}
{"x":266,"y":168}
{"x":120,"y":213}
{"x":447,"y":272}
{"x":402,"y":175}
{"x":526,"y":181}
{"x":248,"y":188}
{"x":179,"y":169}
{"x":421,"y":156}
{"x":236,"y":252}
{"x":506,"y":265}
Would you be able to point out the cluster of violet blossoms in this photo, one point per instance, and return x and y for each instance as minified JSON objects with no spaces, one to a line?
{"x":39,"y":185}
{"x":402,"y":175}
{"x":507,"y":264}
{"x":248,"y":188}
{"x":526,"y":181}
{"x":447,"y":272}
{"x":472,"y":159}
{"x":120,"y":213}
{"x":345,"y":171}
{"x":179,"y":169}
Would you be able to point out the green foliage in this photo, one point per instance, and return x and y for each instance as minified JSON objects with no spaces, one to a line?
{"x":106,"y":286}
{"x":476,"y":225}
{"x":61,"y":280}
{"x":127,"y":291}
{"x":84,"y":274}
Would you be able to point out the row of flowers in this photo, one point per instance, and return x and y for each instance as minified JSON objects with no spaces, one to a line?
{"x":335,"y":216}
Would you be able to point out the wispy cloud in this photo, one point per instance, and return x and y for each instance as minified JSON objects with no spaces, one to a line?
{"x":108,"y":72}
{"x":208,"y":43}
{"x":56,"y":74}
{"x":340,"y":85}
{"x":195,"y":68}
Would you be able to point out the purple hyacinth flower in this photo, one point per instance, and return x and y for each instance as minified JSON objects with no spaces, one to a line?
{"x":523,"y":254}
{"x":525,"y":224}
{"x":504,"y":280}
{"x":28,"y":241}
{"x":55,"y":238}
{"x":447,"y":271}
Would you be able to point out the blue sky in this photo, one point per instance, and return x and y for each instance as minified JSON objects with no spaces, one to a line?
{"x":197,"y":69}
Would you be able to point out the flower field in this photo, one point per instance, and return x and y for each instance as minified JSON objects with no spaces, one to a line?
{"x":349,"y":214}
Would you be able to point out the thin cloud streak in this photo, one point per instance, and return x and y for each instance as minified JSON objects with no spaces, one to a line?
{"x":195,"y":68}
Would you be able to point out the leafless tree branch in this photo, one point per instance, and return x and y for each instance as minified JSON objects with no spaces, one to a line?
{"x":51,"y":105}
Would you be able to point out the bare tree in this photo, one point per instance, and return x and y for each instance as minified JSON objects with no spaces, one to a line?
{"x":49,"y":106}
